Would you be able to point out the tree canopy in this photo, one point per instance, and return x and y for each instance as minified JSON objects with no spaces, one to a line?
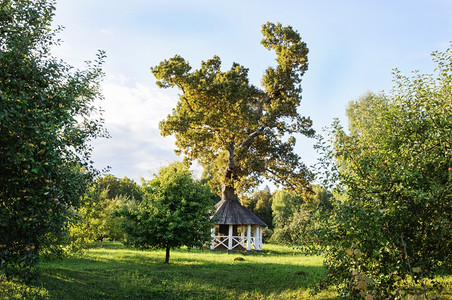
{"x":246,"y":132}
{"x":47,"y":118}
{"x":118,"y":187}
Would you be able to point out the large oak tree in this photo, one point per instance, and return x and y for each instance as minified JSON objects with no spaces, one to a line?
{"x":246,"y":132}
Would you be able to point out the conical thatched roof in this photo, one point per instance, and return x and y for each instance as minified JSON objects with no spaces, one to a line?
{"x":232,"y":212}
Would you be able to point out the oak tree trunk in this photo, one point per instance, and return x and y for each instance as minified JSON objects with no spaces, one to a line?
{"x":228,"y":193}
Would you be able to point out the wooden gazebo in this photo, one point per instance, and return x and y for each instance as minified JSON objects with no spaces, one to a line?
{"x":236,"y":227}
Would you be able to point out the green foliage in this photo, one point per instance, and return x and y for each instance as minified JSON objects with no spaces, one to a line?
{"x":119,"y":187}
{"x":207,"y":178}
{"x":393,"y":220}
{"x":96,"y":220}
{"x":284,"y":206}
{"x":47,"y":118}
{"x":320,"y":197}
{"x":175,"y":211}
{"x":99,"y":217}
{"x":242,"y":132}
{"x":296,"y":218}
{"x":260,"y":203}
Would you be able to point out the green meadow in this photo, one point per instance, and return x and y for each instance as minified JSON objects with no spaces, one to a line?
{"x":118,"y":272}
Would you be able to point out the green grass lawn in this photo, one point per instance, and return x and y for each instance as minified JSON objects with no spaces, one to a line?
{"x":117,"y":272}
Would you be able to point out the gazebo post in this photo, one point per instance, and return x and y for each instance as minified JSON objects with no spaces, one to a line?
{"x":212,"y":231}
{"x":256,"y":237}
{"x":248,"y":238}
{"x":231,"y":230}
{"x":259,"y":243}
{"x":242,"y":235}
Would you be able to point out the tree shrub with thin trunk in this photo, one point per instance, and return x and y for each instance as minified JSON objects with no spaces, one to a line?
{"x":174,"y":212}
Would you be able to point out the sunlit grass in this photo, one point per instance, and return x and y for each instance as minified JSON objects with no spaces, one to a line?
{"x":116,"y":272}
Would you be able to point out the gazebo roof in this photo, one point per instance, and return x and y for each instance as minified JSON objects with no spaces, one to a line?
{"x":232,"y":212}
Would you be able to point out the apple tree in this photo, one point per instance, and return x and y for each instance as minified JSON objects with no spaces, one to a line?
{"x":174,"y":212}
{"x":47,"y":118}
{"x":391,"y":229}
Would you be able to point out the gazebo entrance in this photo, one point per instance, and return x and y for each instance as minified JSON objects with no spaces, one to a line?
{"x":236,"y":228}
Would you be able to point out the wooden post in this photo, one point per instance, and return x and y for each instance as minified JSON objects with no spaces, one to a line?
{"x":231,"y":229}
{"x":242,"y":236}
{"x":212,"y":231}
{"x":260,"y":238}
{"x":256,"y":237}
{"x":248,"y":238}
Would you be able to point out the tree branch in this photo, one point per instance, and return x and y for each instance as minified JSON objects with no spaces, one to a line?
{"x":247,"y":143}
{"x":261,"y":105}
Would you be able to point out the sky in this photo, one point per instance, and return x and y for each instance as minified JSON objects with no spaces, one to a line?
{"x":353,"y":47}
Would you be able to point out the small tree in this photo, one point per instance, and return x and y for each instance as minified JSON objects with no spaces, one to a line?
{"x":175,"y":211}
{"x":285,"y":205}
{"x":298,"y":218}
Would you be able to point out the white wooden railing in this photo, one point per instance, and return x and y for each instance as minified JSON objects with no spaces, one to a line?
{"x":230,"y":241}
{"x":236,"y":241}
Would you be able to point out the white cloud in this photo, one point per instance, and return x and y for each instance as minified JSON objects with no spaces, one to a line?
{"x":132,"y":114}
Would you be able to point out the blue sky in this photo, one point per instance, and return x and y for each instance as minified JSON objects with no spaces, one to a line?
{"x":353,"y":47}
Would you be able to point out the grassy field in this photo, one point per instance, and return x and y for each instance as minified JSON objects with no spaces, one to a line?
{"x":117,"y":272}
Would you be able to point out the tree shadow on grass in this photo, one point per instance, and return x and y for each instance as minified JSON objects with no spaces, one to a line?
{"x":144,"y":276}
